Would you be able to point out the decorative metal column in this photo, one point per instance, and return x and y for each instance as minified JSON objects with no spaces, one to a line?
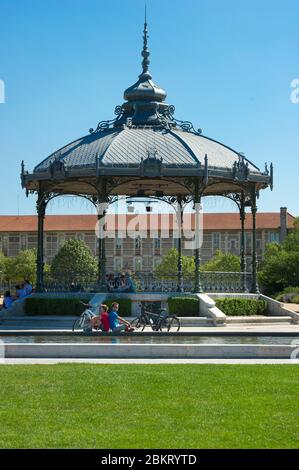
{"x":242,"y":241}
{"x":41,"y":210}
{"x":102,"y":205}
{"x":197,"y":199}
{"x":180,"y":224}
{"x":254,"y":286}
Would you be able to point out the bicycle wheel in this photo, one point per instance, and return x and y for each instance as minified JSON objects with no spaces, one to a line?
{"x":77,"y":324}
{"x":170,"y":323}
{"x":136,"y":323}
{"x":143,"y":323}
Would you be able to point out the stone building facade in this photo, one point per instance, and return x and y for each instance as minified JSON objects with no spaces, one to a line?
{"x":139,"y":242}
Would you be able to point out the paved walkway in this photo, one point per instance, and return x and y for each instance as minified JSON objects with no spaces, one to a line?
{"x":63,"y":325}
{"x":293,"y":307}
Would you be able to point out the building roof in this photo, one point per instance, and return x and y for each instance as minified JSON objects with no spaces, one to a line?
{"x":129,"y":146}
{"x":86,"y":223}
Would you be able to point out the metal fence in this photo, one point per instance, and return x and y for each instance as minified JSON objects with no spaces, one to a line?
{"x":211,"y":281}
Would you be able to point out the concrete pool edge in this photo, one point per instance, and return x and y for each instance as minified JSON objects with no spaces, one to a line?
{"x":218,"y":332}
{"x":159,"y":351}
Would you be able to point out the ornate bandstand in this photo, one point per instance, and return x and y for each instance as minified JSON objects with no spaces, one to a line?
{"x":146,"y":152}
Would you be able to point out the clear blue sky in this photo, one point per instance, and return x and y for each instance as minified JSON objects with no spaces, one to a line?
{"x":226,"y":66}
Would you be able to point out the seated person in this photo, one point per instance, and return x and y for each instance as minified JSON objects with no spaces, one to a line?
{"x":22,"y":292}
{"x":7,"y":300}
{"x":110,"y":282}
{"x":18,"y":288}
{"x":130,"y":286}
{"x":101,"y":322}
{"x":116,"y":322}
{"x":28,"y":287}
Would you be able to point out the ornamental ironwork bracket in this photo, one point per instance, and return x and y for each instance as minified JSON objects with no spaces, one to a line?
{"x":174,"y":122}
{"x":23,"y":175}
{"x":102,"y":125}
{"x":240,"y":170}
{"x":271,"y":176}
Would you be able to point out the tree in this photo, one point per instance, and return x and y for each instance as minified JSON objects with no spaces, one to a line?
{"x":25,"y":265}
{"x":2,"y":267}
{"x":2,"y":264}
{"x":168,"y":267}
{"x":10,"y":269}
{"x":280,"y":267}
{"x":20,"y":267}
{"x":222,"y":262}
{"x":73,"y":260}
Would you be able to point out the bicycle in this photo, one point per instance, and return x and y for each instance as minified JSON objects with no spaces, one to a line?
{"x":83,"y":321}
{"x":157,"y":321}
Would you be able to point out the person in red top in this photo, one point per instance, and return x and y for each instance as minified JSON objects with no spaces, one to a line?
{"x":101,"y":322}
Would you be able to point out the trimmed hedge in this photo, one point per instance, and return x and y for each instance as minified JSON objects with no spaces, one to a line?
{"x":124,"y":306}
{"x":68,"y":306}
{"x":189,"y":306}
{"x":54,"y":306}
{"x":241,"y":307}
{"x":183,"y":306}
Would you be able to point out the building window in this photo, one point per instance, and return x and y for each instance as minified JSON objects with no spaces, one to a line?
{"x":13,"y":245}
{"x":137,"y":264}
{"x":5,"y":245}
{"x":273,"y":237}
{"x":118,"y":264}
{"x":51,"y":245}
{"x":233,"y":246}
{"x":156,"y":262}
{"x":138,"y":245}
{"x":70,"y":236}
{"x":32,"y":241}
{"x":176,"y":243}
{"x":23,"y":242}
{"x":157,"y":245}
{"x":118,"y":244}
{"x":216,"y":241}
{"x":90,"y":240}
{"x":248,"y":241}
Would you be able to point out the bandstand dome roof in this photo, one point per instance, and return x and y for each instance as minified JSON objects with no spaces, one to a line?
{"x":144,"y":140}
{"x":128,"y":146}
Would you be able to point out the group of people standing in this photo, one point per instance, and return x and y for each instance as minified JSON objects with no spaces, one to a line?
{"x":22,"y":290}
{"x":109,"y":320}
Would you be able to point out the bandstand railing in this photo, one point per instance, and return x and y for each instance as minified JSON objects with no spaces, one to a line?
{"x":211,"y":281}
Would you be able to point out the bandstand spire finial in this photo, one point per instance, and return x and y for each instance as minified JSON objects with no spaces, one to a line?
{"x":145,"y":52}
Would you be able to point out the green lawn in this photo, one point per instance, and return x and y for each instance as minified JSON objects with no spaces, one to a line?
{"x":149,"y":406}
